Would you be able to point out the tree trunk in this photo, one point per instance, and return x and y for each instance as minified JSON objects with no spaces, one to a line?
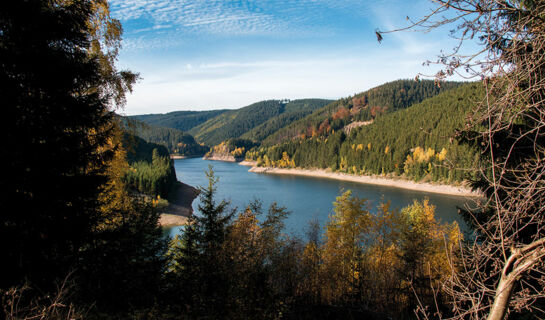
{"x":502,"y":298}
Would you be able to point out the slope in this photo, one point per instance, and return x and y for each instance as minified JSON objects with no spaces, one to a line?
{"x":415,"y":142}
{"x":235,"y":123}
{"x":177,"y":142}
{"x":181,"y":120}
{"x":364,"y":106}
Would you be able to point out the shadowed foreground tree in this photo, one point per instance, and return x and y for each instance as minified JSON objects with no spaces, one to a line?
{"x":502,"y":271}
{"x":64,"y":210}
{"x":197,"y":263}
{"x":54,"y":127}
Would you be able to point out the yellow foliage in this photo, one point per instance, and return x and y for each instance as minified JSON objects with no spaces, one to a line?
{"x":285,"y":162}
{"x":266,"y":161}
{"x":441,"y":156}
{"x":420,"y":224}
{"x":362,"y":249}
{"x":345,"y":237}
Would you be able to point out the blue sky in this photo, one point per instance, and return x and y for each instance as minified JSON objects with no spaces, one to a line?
{"x":211,"y":54}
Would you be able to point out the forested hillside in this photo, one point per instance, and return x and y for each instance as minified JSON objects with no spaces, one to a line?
{"x":176,"y":141}
{"x":365,"y":106}
{"x":416,"y":142}
{"x":181,"y":120}
{"x":293,"y":111}
{"x":151,"y":170}
{"x":235,"y":123}
{"x":235,"y":148}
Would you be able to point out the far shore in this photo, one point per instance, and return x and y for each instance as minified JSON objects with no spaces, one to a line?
{"x":248,"y":163}
{"x":376,"y":180}
{"x":179,"y":209}
{"x":178,"y":156}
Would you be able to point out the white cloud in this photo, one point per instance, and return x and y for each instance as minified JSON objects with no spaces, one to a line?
{"x":280,"y":17}
{"x":237,"y":84}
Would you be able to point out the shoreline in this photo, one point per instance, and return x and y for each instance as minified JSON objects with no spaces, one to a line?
{"x":178,"y":157}
{"x":225,"y":158}
{"x":180,"y":209}
{"x":248,"y":163}
{"x":374,"y":180}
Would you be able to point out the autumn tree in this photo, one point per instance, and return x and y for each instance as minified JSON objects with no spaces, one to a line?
{"x":425,"y":247}
{"x":502,"y":271}
{"x":344,"y":243}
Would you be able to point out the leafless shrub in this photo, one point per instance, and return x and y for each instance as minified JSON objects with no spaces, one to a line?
{"x":503,"y":269}
{"x":24,"y":303}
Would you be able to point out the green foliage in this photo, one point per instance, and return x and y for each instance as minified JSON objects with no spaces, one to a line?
{"x":235,"y":123}
{"x":139,"y":150}
{"x":176,"y":141}
{"x":364,"y":106}
{"x":368,"y":263}
{"x":197,"y":262}
{"x":150,"y":173}
{"x":180,"y":120}
{"x":242,"y":268}
{"x":294,"y":110}
{"x":416,"y":142}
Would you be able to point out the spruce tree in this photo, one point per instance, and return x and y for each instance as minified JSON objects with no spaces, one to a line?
{"x":54,"y":126}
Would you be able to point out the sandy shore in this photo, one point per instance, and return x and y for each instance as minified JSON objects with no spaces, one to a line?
{"x":381,"y":181}
{"x":248,"y":163}
{"x":179,"y":209}
{"x":220,"y":157}
{"x":171,"y":220}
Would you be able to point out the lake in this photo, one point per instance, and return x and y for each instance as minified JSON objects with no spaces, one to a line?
{"x":307,"y":198}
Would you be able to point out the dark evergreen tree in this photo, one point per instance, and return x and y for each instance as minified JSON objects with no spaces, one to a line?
{"x":197,"y":262}
{"x":54,"y":126}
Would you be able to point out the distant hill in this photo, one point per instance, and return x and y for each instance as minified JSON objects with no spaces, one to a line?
{"x":416,"y":142}
{"x":294,"y":110}
{"x":364,"y":106}
{"x":181,"y":120}
{"x":274,"y":121}
{"x":238,"y":123}
{"x":175,"y":141}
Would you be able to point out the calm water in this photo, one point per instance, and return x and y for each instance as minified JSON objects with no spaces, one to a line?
{"x":306,"y":198}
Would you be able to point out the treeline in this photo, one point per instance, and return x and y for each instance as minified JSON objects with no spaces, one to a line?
{"x":151,"y":171}
{"x":294,"y":110}
{"x":232,"y":147}
{"x":240,"y":265}
{"x":364,"y":106}
{"x":180,"y":120}
{"x":235,"y":123}
{"x":177,"y":142}
{"x":417,"y":142}
{"x":261,"y":115}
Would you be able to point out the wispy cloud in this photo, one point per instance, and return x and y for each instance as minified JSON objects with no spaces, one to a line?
{"x":230,"y":53}
{"x":279,"y":17}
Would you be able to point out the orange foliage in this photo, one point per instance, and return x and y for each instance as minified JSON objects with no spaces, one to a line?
{"x":341,"y":113}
